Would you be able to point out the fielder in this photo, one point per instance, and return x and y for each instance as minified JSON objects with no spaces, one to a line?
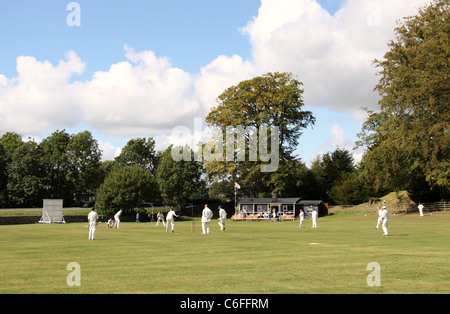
{"x":385,"y":217}
{"x":170,"y":219}
{"x":160,"y":217}
{"x":117,"y":219}
{"x":222,"y":218}
{"x":93,"y":222}
{"x":420,"y":207}
{"x":301,"y":216}
{"x":314,"y":218}
{"x":110,"y":223}
{"x":206,"y":218}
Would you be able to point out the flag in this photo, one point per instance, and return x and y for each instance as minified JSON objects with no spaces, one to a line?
{"x":236,"y":185}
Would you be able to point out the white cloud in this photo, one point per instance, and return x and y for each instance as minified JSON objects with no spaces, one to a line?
{"x":142,"y":96}
{"x":218,"y":75}
{"x":109,"y":151}
{"x":330,"y":54}
{"x":338,"y":139}
{"x":41,"y":96}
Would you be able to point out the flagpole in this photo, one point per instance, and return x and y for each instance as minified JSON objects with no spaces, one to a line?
{"x":235,"y":199}
{"x":236,"y":187}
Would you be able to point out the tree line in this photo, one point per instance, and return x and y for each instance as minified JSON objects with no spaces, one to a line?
{"x":406,"y":142}
{"x":69,"y":166}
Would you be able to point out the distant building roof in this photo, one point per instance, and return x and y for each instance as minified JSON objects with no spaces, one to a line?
{"x":288,"y":200}
{"x":292,"y":200}
{"x":308,"y":202}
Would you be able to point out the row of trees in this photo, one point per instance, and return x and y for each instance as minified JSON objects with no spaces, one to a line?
{"x":61,"y":166}
{"x":70,"y":167}
{"x":406,"y":142}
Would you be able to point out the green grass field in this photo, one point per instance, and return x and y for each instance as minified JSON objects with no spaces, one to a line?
{"x":249,"y":257}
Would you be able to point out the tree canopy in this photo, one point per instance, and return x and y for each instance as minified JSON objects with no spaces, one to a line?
{"x":61,"y":166}
{"x":141,"y":152}
{"x":408,"y":140}
{"x":274,"y":100}
{"x":179,"y":181}
{"x":125,"y":188}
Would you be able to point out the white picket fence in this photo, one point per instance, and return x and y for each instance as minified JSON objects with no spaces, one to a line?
{"x":400,"y":207}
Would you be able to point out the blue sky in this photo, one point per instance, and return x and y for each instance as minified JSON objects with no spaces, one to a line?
{"x":190,"y":33}
{"x":197,"y":48}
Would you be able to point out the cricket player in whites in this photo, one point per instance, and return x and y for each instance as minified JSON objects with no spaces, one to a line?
{"x":314,"y":218}
{"x":206,"y":218}
{"x":222,"y":218}
{"x":420,"y":207}
{"x":301,"y":216}
{"x":159,"y":218}
{"x":170,"y":219}
{"x":93,"y":222}
{"x":117,"y":219}
{"x":385,"y":217}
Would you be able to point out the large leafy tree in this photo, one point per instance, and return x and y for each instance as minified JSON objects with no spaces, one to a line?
{"x":141,"y":152}
{"x":9,"y":142}
{"x":329,"y":169}
{"x":25,"y":176}
{"x":408,"y":140}
{"x":274,"y":99}
{"x":271,"y":100}
{"x":71,"y":164}
{"x":21,"y":172}
{"x":84,"y":159}
{"x":56,"y":166}
{"x":126,"y":187}
{"x":179,"y":180}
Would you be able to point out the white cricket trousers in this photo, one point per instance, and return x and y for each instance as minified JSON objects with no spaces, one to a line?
{"x":385,"y":226}
{"x":160,"y":220}
{"x":314,"y":222}
{"x":167,"y":224}
{"x":221,"y":224}
{"x":117,"y":223}
{"x":301,"y":223}
{"x":205,"y":227}
{"x":92,"y":228}
{"x":379,"y":222}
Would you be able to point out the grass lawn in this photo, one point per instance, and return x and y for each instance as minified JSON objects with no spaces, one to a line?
{"x":249,"y":257}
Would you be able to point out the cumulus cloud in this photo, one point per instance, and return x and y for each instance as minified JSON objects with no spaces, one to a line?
{"x":331,"y":54}
{"x":218,"y":75}
{"x":109,"y":151}
{"x":143,"y":95}
{"x":338,"y":139}
{"x":41,"y":97}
